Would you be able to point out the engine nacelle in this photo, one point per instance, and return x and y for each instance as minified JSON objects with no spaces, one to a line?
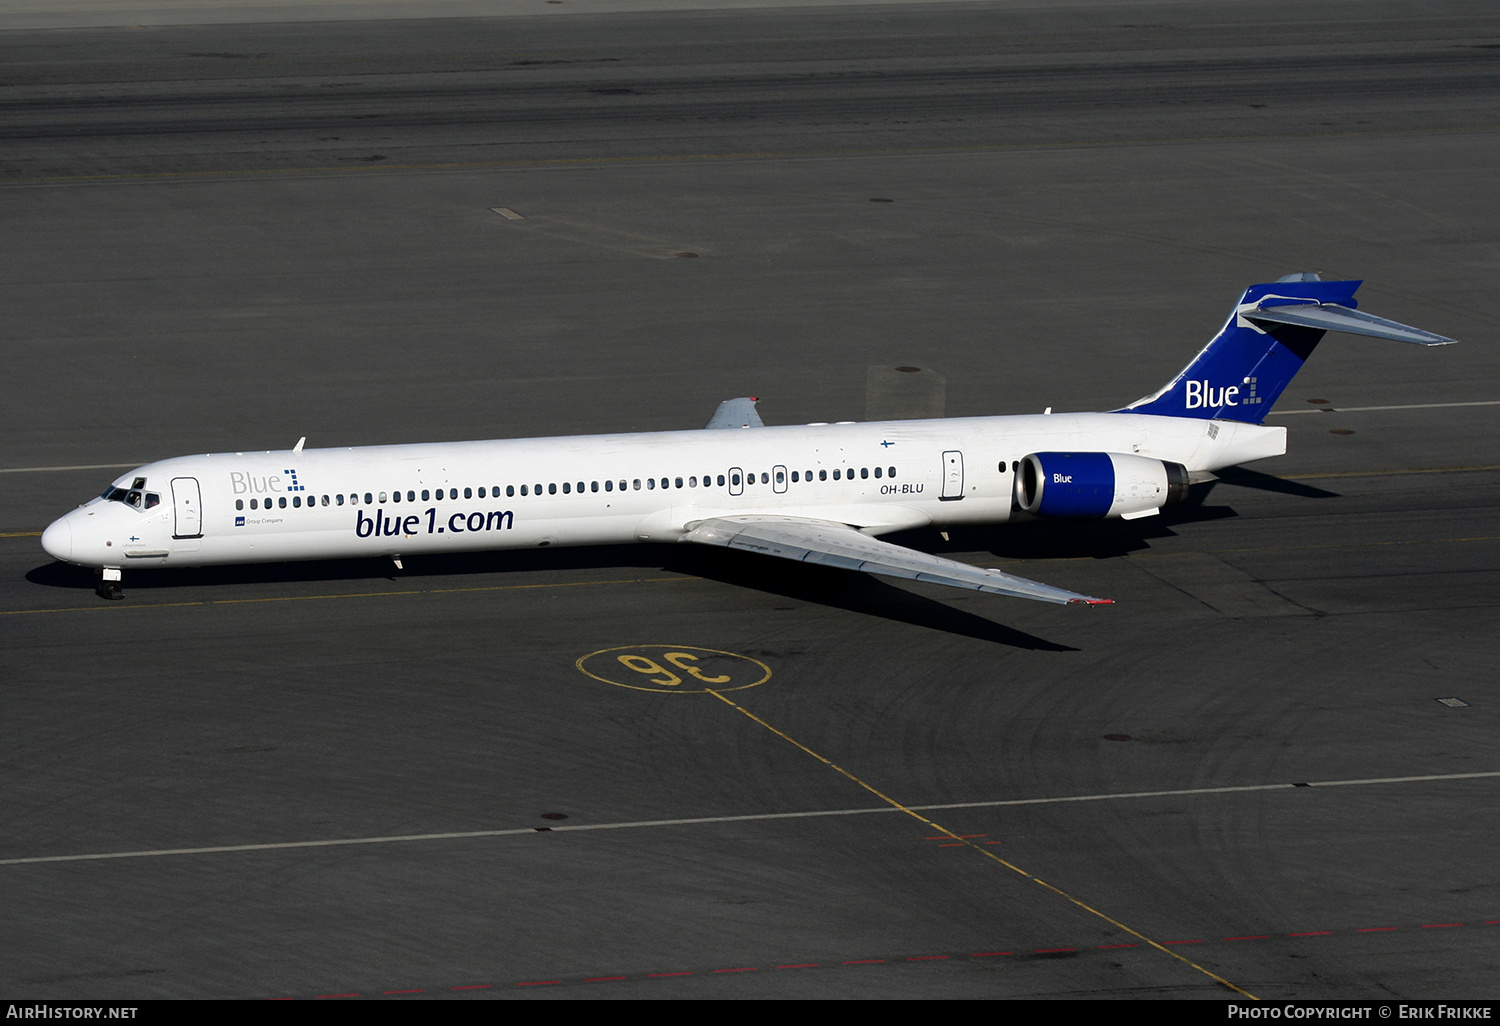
{"x":1097,"y":484}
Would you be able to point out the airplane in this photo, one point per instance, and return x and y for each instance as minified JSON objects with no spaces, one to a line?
{"x":818,"y":493}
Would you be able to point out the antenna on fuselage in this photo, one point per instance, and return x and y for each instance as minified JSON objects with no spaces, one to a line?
{"x":298,"y":446}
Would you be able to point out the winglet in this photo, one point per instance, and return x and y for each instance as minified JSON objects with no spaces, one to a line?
{"x":736,"y":413}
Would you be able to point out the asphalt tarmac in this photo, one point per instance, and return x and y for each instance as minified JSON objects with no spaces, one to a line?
{"x":1269,"y":769}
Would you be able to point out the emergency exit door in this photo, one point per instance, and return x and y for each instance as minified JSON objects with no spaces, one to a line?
{"x":953,"y":475}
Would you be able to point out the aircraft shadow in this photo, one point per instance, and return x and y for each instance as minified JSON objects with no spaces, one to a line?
{"x":1269,"y":483}
{"x":839,"y":589}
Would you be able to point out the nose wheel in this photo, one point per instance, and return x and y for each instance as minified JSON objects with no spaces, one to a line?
{"x":109,"y":584}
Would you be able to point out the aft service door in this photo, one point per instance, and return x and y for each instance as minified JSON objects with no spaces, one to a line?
{"x":778,"y":479}
{"x":953,"y":475}
{"x":187,"y":509}
{"x":736,"y":481}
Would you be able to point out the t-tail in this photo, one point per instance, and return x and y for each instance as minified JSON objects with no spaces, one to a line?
{"x":1273,"y":329}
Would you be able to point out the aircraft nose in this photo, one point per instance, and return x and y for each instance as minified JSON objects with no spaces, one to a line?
{"x":57,"y":540}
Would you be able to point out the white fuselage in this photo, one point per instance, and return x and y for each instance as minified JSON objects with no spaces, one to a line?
{"x":403,"y":500}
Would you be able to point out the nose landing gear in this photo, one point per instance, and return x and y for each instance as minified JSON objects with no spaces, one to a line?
{"x":109,"y":584}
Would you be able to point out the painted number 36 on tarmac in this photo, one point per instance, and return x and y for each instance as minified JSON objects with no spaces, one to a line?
{"x":674,"y":668}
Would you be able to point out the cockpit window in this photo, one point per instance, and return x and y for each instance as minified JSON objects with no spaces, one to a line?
{"x":152,"y":499}
{"x":133,"y":498}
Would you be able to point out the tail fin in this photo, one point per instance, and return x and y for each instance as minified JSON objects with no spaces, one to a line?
{"x":1273,"y":329}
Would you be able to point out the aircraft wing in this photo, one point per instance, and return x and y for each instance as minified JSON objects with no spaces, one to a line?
{"x":833,"y":544}
{"x":736,"y":413}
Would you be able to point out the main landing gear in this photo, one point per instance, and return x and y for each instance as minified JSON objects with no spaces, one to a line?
{"x":109,"y":584}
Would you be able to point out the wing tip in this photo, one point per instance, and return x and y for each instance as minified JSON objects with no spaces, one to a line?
{"x":1091,"y":602}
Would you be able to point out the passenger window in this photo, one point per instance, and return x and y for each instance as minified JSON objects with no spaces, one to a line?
{"x":721,"y":481}
{"x":864,"y":473}
{"x":692,"y":482}
{"x":339,"y":498}
{"x":523,"y":489}
{"x":239,"y":503}
{"x":253,"y":504}
{"x":411,"y":496}
{"x":281,"y":502}
{"x":481,"y":491}
{"x":822,"y":475}
{"x":580,"y":487}
{"x":835,"y":475}
{"x":636,"y":484}
{"x":395,"y":497}
{"x":877,"y":471}
{"x":890,"y":471}
{"x":567,"y":488}
{"x":609,"y":486}
{"x":650,"y":483}
{"x":468,"y":493}
{"x":593,"y":486}
{"x":552,"y":489}
{"x":297,"y":501}
{"x":794,"y":477}
{"x":511,"y":490}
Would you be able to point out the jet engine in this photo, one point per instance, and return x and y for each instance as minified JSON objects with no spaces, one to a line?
{"x":1097,"y":484}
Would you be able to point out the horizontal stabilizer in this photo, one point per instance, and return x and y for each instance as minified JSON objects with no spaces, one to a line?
{"x":833,"y":544}
{"x":1332,"y":317}
{"x":736,"y":413}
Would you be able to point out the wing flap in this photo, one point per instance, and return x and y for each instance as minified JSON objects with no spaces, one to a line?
{"x":831,"y":544}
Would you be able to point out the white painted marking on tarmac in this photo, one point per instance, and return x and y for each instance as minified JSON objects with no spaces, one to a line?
{"x":702,"y":820}
{"x":508,"y":214}
{"x":1367,"y":409}
{"x":79,"y":466}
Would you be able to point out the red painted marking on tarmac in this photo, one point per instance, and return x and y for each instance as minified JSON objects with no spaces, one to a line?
{"x":994,"y":842}
{"x":956,"y":844}
{"x":926,"y":958}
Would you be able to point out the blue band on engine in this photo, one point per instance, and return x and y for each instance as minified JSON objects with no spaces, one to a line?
{"x":1076,"y":484}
